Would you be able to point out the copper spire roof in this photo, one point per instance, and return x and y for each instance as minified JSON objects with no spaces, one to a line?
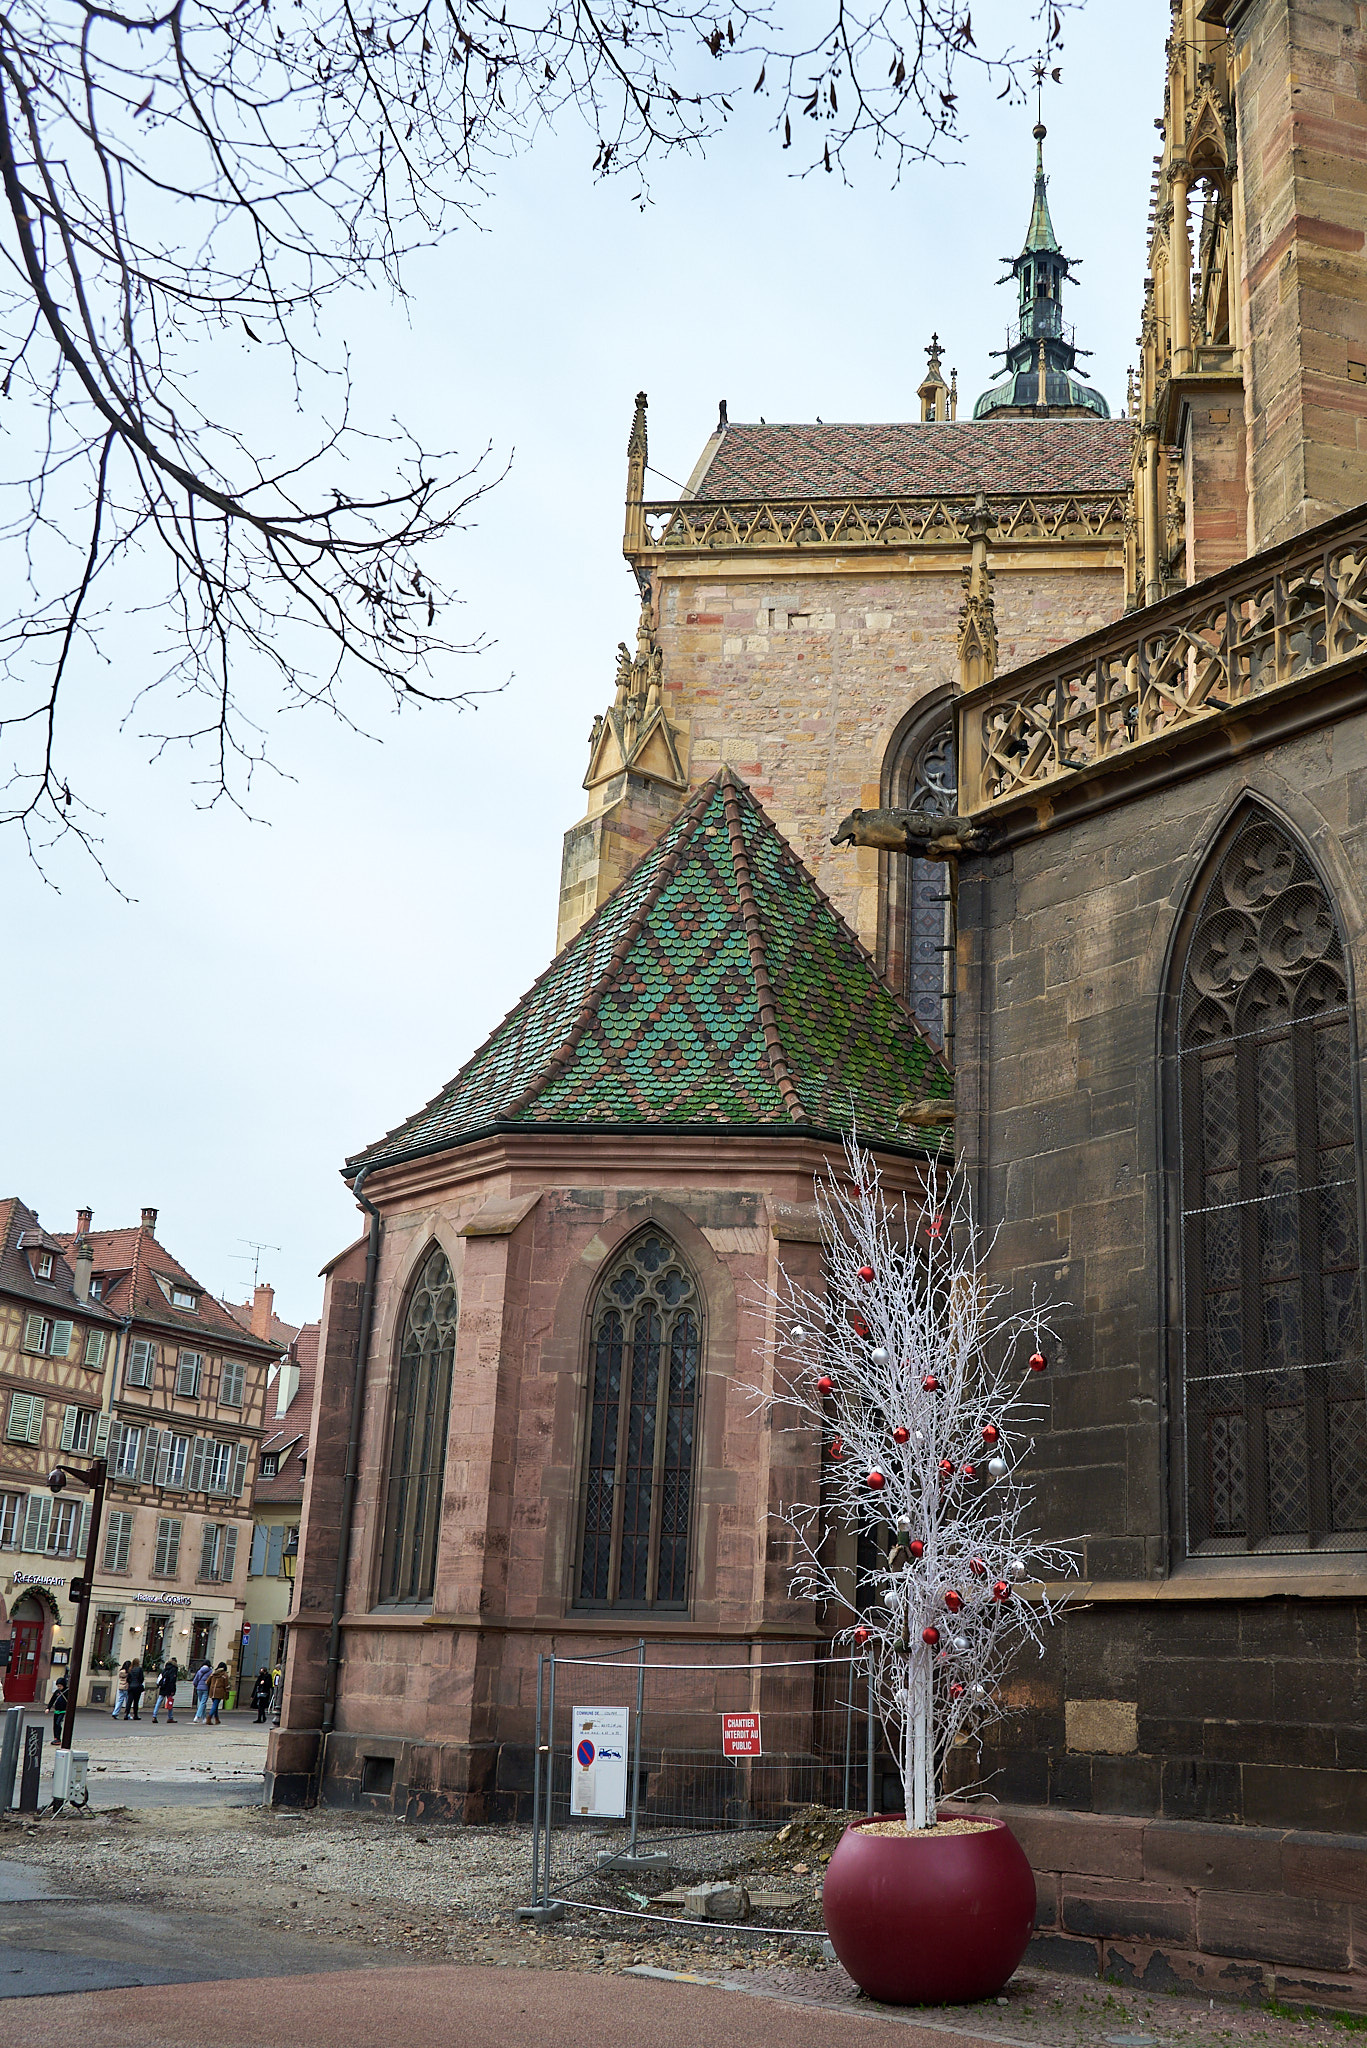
{"x":716,"y":986}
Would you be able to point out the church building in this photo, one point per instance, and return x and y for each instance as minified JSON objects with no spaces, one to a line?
{"x":991,"y":785}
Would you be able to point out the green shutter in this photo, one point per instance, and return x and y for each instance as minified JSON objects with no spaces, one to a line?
{"x":33,"y":1333}
{"x":60,"y":1344}
{"x":69,"y":1415}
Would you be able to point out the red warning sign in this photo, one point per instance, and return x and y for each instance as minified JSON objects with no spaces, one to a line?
{"x":740,"y":1734}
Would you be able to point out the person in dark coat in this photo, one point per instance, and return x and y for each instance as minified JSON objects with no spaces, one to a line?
{"x":57,"y":1707}
{"x":167,"y":1682}
{"x":136,"y":1682}
{"x":261,"y":1693}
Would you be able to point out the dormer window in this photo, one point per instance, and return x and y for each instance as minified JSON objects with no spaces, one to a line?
{"x":181,"y":1297}
{"x":96,"y":1289}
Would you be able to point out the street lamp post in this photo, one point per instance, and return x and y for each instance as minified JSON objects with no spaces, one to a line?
{"x":94,"y":1476}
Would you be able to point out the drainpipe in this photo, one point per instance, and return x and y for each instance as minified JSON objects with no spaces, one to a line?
{"x":372,"y":1261}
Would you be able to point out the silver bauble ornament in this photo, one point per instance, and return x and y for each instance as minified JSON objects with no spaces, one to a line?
{"x":798,"y":1334}
{"x":961,"y":1644}
{"x":1016,"y":1567}
{"x":878,"y":1357}
{"x":997,"y":1467}
{"x":978,"y":1691}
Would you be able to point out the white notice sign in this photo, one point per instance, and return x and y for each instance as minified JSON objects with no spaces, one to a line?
{"x":598,"y":1762}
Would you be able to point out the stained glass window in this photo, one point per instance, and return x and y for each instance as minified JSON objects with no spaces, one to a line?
{"x":645,"y":1350}
{"x":418,"y":1454}
{"x":923,"y":778}
{"x":1275,"y":1421}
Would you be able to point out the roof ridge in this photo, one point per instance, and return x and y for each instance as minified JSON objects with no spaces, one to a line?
{"x":665,"y":869}
{"x":774,"y":1052}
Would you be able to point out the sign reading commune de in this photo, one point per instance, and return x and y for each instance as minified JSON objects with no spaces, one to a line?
{"x":740,"y":1734}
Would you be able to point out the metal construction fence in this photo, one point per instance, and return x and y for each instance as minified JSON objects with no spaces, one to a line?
{"x":635,"y":1743}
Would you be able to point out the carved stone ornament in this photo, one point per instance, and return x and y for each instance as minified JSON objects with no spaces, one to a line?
{"x":923,"y":833}
{"x":634,"y":734}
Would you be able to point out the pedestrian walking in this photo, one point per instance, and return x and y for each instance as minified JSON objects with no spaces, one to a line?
{"x":121,"y":1692}
{"x":219,"y":1688}
{"x":136,"y":1682}
{"x":57,"y":1707}
{"x":200,"y":1683}
{"x":261,"y":1692}
{"x":166,"y":1689}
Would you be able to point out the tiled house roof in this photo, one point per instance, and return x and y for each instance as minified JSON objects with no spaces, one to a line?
{"x":128,"y":1264}
{"x":948,"y":458}
{"x":17,"y":1275}
{"x":287,"y":1435}
{"x":717,"y":985}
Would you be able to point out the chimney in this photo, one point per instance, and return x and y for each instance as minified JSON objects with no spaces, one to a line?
{"x":149,"y":1219}
{"x":263,"y":1308}
{"x":85,"y":1260}
{"x":84,"y":1219}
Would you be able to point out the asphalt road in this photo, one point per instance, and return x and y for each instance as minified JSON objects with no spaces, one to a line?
{"x":461,"y":2008}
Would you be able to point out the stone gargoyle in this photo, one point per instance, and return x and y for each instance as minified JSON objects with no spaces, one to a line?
{"x":922,"y":833}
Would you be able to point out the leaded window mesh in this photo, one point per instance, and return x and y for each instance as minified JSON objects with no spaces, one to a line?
{"x":925,"y":778}
{"x":417,"y":1458}
{"x":1274,"y":1412}
{"x":645,"y":1358}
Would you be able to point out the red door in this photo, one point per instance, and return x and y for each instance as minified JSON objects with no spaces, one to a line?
{"x":21,"y":1680}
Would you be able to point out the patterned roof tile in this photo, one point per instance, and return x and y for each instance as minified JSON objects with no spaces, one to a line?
{"x":717,"y":985}
{"x":949,"y":458}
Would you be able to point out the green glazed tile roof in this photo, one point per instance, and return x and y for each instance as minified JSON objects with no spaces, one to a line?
{"x":717,"y":985}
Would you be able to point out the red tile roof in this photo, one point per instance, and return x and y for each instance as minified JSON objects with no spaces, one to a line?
{"x":951,"y":458}
{"x":129,"y":1263}
{"x":280,"y":1333}
{"x":288,"y":1434}
{"x":17,"y":1277}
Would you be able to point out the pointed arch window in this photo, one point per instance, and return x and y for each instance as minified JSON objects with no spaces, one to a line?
{"x":1273,"y":1384}
{"x":427,"y":1351}
{"x":644,"y":1369}
{"x":922,"y":776}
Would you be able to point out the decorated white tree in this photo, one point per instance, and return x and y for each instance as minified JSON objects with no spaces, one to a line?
{"x":919,"y":1381}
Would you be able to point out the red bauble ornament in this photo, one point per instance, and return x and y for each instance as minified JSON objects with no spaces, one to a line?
{"x":1001,"y":1591}
{"x":917,"y":1547}
{"x":859,"y":1326}
{"x":930,"y":1635}
{"x":876,"y":1480}
{"x":1038,"y":1361}
{"x":866,"y":1272}
{"x":977,"y":1567}
{"x":901,"y":1435}
{"x":953,"y":1601}
{"x":956,"y":1692}
{"x":990,"y":1433}
{"x":946,"y":1468}
{"x":861,"y":1636}
{"x":930,"y":1384}
{"x":825,"y":1384}
{"x":837,"y":1447}
{"x":969,"y":1471}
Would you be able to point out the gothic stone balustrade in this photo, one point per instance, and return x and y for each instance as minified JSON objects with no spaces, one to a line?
{"x":1282,"y":622}
{"x":791,"y":524}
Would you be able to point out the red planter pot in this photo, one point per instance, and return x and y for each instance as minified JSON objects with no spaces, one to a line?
{"x":929,"y":1920}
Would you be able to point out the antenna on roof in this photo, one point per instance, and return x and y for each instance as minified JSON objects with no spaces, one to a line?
{"x":253,"y":1252}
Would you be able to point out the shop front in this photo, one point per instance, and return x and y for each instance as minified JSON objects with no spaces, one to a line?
{"x":33,"y":1616}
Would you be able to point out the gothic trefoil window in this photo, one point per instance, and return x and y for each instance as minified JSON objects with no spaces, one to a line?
{"x":427,"y":1351}
{"x":644,"y":1364}
{"x":1275,"y":1424}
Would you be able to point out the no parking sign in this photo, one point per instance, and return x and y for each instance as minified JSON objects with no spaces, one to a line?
{"x":598,"y":1763}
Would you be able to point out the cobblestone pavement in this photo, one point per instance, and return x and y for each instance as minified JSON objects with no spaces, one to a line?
{"x":445,"y":1894}
{"x":181,"y":1752}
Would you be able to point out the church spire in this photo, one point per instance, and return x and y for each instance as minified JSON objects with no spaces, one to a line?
{"x":1041,"y":353}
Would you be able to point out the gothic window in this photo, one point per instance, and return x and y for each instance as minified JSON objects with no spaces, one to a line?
{"x":417,"y":1457}
{"x":923,"y":778}
{"x":1275,"y":1426}
{"x":644,"y":1365}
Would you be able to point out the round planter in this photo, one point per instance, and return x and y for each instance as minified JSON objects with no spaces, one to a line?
{"x":922,"y":1919}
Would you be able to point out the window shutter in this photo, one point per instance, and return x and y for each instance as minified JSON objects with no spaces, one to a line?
{"x":94,"y":1348}
{"x":33,"y":1333}
{"x":35,"y":1418}
{"x":83,"y":1529}
{"x":148,"y":1466}
{"x":256,"y":1563}
{"x":199,"y":1452}
{"x":239,"y":1470}
{"x":163,"y":1467}
{"x":36,"y":1519}
{"x":69,"y":1415}
{"x":102,"y":1428}
{"x":117,"y":1432}
{"x":61,"y":1339}
{"x":16,"y":1428}
{"x":206,"y":1553}
{"x":227,"y":1562}
{"x":277,"y":1548}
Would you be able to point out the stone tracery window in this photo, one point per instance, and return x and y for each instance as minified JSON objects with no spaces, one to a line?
{"x":417,"y":1457}
{"x":644,"y":1367}
{"x":1273,"y":1393}
{"x":922,"y":776}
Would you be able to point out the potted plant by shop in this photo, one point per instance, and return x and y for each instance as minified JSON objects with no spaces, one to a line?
{"x":920,"y":1382}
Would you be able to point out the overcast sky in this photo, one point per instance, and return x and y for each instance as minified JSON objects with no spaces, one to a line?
{"x":277,"y":994}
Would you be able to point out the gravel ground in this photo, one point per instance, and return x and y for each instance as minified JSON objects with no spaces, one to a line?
{"x":446,"y":1893}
